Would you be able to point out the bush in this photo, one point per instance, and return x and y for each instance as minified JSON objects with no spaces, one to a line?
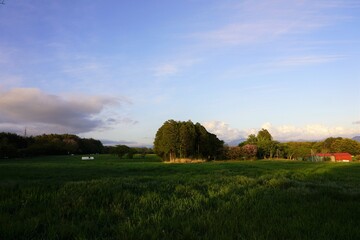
{"x":356,"y":158}
{"x":234,"y":153}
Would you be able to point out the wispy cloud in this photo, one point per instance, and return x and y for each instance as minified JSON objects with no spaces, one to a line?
{"x":9,"y":81}
{"x":307,"y":60}
{"x":261,"y":21}
{"x":247,"y":33}
{"x":270,"y":66}
{"x":121,"y":120}
{"x":44,"y":112}
{"x":174,"y":67}
{"x":83,"y":68}
{"x":165,"y":70}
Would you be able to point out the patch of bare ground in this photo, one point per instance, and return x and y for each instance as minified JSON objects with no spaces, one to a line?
{"x":185,"y":160}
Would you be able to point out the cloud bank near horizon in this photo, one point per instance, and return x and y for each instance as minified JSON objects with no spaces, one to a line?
{"x":281,"y":133}
{"x":41,"y":112}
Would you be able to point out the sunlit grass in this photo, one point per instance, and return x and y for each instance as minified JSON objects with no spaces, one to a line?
{"x":66,"y":198}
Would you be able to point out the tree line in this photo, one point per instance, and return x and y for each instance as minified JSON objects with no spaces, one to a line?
{"x":265,"y":147}
{"x":178,"y":139}
{"x":124,"y":151}
{"x":13,"y":145}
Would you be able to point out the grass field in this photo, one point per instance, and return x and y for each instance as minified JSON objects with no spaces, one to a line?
{"x":109,"y":198}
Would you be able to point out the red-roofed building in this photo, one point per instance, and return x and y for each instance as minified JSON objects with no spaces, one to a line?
{"x":336,"y":157}
{"x":342,"y":156}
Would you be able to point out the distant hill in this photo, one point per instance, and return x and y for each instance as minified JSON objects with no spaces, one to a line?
{"x":356,"y":138}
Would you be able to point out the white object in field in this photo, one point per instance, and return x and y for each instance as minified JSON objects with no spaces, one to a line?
{"x":87,"y":158}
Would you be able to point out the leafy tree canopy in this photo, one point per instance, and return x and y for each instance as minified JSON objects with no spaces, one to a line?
{"x":176,"y":139}
{"x":264,"y":135}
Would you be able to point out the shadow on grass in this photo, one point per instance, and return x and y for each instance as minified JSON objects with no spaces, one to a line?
{"x":216,"y":200}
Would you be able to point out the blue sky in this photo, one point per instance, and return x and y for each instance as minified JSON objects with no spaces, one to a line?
{"x":116,"y":70}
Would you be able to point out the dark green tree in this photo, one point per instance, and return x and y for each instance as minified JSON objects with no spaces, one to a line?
{"x":186,"y":140}
{"x":11,"y":145}
{"x":201,"y":141}
{"x":187,"y":134}
{"x":120,"y":150}
{"x":346,"y":145}
{"x":90,"y":146}
{"x":166,"y":142}
{"x":326,"y":145}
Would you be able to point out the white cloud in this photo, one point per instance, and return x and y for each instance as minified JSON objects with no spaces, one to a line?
{"x":43,"y":113}
{"x":308,"y":132}
{"x":223,"y":130}
{"x":281,"y":133}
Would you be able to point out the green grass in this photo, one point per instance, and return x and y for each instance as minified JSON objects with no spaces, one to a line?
{"x":111,"y":198}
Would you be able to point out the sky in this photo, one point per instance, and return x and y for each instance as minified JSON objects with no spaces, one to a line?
{"x":116,"y":70}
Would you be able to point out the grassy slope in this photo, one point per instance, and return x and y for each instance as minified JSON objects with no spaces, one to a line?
{"x":66,"y":198}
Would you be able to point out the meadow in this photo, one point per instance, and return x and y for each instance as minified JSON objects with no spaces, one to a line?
{"x":110,"y":198}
